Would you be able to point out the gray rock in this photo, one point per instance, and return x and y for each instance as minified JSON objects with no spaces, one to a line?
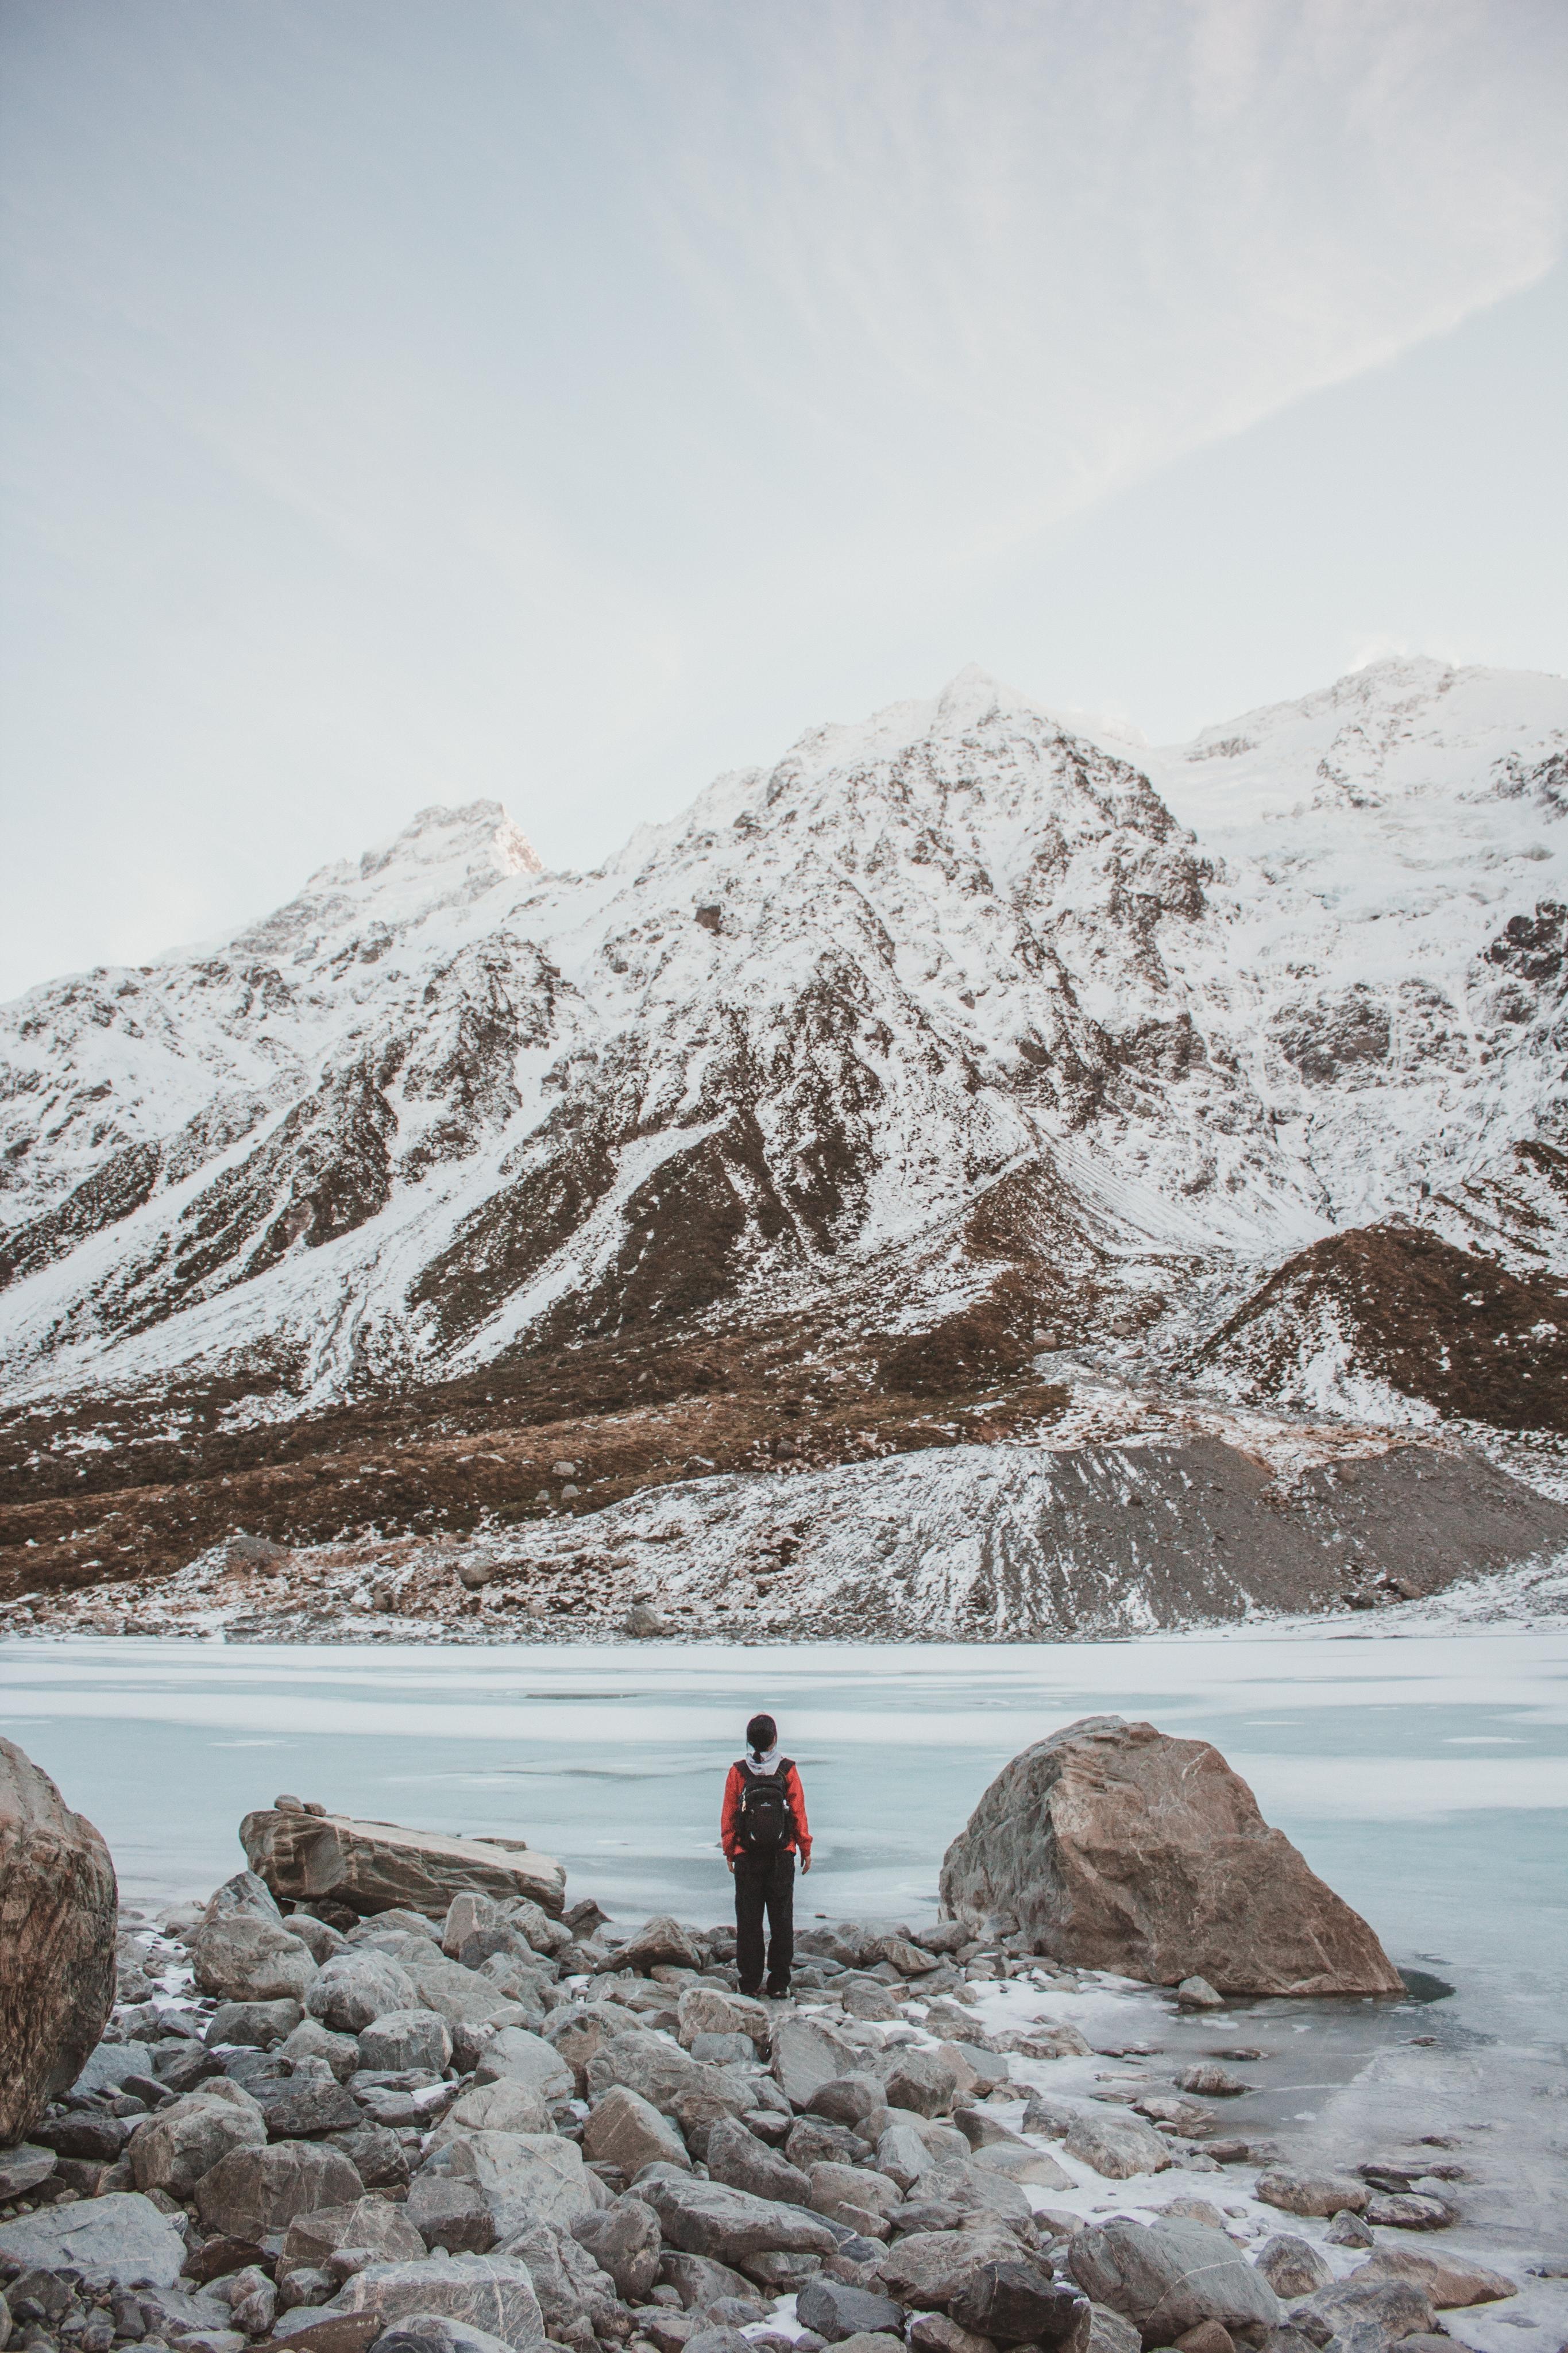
{"x":710,"y":2009}
{"x":504,"y":2105}
{"x":835,"y":2311}
{"x":406,"y":2038}
{"x":921,"y":2079}
{"x":252,"y":2301}
{"x":1110,"y":2332}
{"x":305,"y":2108}
{"x":738,"y":2158}
{"x":242,"y":1959}
{"x":1197,"y":1993}
{"x":357,"y":1988}
{"x":311,"y":2040}
{"x":1116,"y":2145}
{"x":243,"y":1897}
{"x":723,"y":2050}
{"x":933,"y":2267}
{"x":1168,"y":2276}
{"x":1017,"y":2302}
{"x":22,"y":2169}
{"x":1409,"y":2210}
{"x":699,"y":2281}
{"x":1292,"y":2266}
{"x":452,"y":2214}
{"x":806,"y":2055}
{"x":323,"y":1942}
{"x":1449,"y":2281}
{"x":1348,"y":2229}
{"x":373,"y":2224}
{"x":523,"y":2178}
{"x":933,"y":2332}
{"x":375,"y":2153}
{"x":463,"y":1997}
{"x":647,"y":2064}
{"x":625,"y":2130}
{"x":812,"y":2141}
{"x":493,"y":2293}
{"x":846,"y":2193}
{"x":106,"y":2068}
{"x":567,"y":2280}
{"x":518,"y":2056}
{"x":1311,"y":2193}
{"x":624,"y":2240}
{"x":253,"y":2191}
{"x":719,"y":2336}
{"x":173,"y":2149}
{"x":255,"y":2025}
{"x":659,"y":1942}
{"x":706,"y":2218}
{"x":123,"y":2234}
{"x":854,"y":2100}
{"x":1212,"y":2082}
{"x":1382,"y":2304}
{"x":1029,"y":2169}
{"x":978,"y":2071}
{"x":436,"y":2332}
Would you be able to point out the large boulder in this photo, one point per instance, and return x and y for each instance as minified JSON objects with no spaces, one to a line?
{"x":381,"y":1867}
{"x":59,"y":1909}
{"x":1118,"y":1847}
{"x":1167,"y":2277}
{"x":123,"y":2234}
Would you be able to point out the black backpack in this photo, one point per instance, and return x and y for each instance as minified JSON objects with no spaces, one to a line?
{"x":765,"y":1825}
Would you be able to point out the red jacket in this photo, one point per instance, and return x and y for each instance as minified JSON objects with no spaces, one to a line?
{"x":795,"y":1799}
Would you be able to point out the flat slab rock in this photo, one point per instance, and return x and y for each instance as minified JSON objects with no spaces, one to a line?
{"x":1121,"y":1848}
{"x":382,"y":1867}
{"x":123,"y":2234}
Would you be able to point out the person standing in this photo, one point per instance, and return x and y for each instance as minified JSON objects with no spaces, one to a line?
{"x":763,"y":1828}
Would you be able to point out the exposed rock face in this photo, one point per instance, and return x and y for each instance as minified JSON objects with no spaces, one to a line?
{"x":1120,"y":1848}
{"x":380,"y":1867}
{"x":58,"y":1913}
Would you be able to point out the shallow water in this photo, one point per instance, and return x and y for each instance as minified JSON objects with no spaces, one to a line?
{"x":1424,"y":1778}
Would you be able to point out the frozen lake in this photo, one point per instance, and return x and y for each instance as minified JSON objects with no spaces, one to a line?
{"x":1426,"y":1777}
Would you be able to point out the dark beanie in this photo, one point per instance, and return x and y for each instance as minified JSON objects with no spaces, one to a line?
{"x":761,"y":1733}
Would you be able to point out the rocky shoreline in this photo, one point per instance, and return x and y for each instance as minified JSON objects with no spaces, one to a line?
{"x":428,"y":2117}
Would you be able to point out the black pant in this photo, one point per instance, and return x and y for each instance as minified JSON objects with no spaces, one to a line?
{"x":764,"y":1883}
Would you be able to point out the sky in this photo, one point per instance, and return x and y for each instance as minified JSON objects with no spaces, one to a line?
{"x":404,"y":403}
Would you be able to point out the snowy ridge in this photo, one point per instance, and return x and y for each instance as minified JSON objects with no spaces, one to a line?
{"x":1158,"y":1018}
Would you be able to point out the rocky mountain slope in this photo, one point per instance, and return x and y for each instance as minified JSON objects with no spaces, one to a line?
{"x":877,"y":1105}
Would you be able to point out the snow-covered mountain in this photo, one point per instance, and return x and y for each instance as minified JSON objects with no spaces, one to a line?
{"x":956,"y":1021}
